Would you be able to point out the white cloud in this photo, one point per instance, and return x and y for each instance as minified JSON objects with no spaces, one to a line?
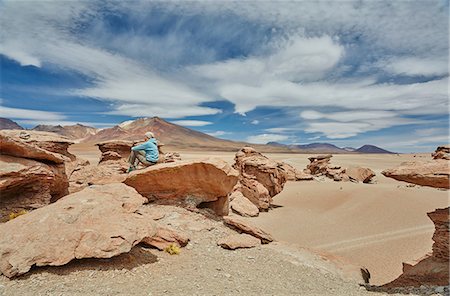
{"x":191,"y":122}
{"x":265,"y":138}
{"x":255,"y":122}
{"x":413,"y":66}
{"x":218,"y":133}
{"x":17,"y":113}
{"x":64,"y":123}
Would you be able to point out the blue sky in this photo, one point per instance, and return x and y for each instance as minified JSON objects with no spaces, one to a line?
{"x":343,"y":72}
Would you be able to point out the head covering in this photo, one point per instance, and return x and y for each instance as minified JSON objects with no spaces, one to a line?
{"x":149,"y":135}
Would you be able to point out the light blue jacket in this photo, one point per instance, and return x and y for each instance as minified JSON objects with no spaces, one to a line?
{"x":151,"y":150}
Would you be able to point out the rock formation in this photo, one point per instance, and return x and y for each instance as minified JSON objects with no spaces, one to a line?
{"x":242,"y":206}
{"x":433,"y":270}
{"x":30,"y":176}
{"x":164,"y":237}
{"x":98,"y":222}
{"x":320,"y":166}
{"x":260,"y":178}
{"x":190,"y":184}
{"x":293,"y":174}
{"x":115,"y":149}
{"x":434,"y":173}
{"x":243,"y":226}
{"x":442,"y":152}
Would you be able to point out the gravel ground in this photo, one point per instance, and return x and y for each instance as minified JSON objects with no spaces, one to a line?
{"x":202,"y":268}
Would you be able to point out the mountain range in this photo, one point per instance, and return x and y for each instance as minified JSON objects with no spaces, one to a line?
{"x":178,"y":136}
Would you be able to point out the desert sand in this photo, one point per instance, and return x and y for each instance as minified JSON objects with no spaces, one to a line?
{"x":376,"y":225}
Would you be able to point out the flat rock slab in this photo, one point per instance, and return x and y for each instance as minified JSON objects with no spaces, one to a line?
{"x":98,"y":222}
{"x":434,"y":173}
{"x":242,"y":206}
{"x":165,"y":237}
{"x":246,"y":227}
{"x":239,"y":241}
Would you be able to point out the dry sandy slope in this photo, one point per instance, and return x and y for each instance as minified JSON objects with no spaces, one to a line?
{"x":376,"y":225}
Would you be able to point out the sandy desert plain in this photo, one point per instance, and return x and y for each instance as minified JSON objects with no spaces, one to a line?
{"x":378,"y":225}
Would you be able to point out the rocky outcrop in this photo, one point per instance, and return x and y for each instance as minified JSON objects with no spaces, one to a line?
{"x":434,"y":173}
{"x":442,"y":152}
{"x":260,"y":178}
{"x":48,"y":141}
{"x":242,"y":206}
{"x":164,"y":237}
{"x":115,"y":150}
{"x":246,"y":227}
{"x":433,"y":270}
{"x":239,"y":241}
{"x":293,"y":174}
{"x":189,"y":184}
{"x":320,"y":166}
{"x":30,"y":176}
{"x":98,"y":222}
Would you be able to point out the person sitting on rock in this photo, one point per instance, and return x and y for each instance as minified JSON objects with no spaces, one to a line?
{"x":145,"y":153}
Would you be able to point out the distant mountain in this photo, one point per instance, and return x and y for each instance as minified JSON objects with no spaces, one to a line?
{"x":172,"y":135}
{"x":372,"y":149}
{"x":349,"y":149}
{"x":320,"y":148}
{"x":6,"y":123}
{"x":74,"y":132}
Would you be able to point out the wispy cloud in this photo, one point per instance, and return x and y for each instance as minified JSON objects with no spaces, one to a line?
{"x":265,"y":138}
{"x":192,"y":122}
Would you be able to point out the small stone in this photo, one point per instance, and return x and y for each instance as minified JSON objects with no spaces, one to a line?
{"x":227,"y":275}
{"x":439,"y":289}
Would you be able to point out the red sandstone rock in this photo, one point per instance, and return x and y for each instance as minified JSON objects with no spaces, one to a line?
{"x":242,"y":206}
{"x":164,"y":237}
{"x":115,"y":149}
{"x":318,"y":164}
{"x":434,"y":173}
{"x":188,"y":183}
{"x":359,"y":174}
{"x":433,"y":270}
{"x":260,"y":178}
{"x":246,"y":227}
{"x":98,"y":222}
{"x":239,"y":241}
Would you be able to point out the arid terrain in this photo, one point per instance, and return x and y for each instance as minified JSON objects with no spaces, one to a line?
{"x":378,"y":226}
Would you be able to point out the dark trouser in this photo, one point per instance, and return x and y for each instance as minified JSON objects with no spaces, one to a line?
{"x":137,"y":157}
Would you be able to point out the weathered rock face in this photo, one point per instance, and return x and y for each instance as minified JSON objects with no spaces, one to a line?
{"x":245,"y":227}
{"x":242,"y":206}
{"x":442,"y":152}
{"x":260,"y":178}
{"x":27,"y":184}
{"x":293,"y":174}
{"x":318,"y":164}
{"x":98,"y":222}
{"x":48,"y":141}
{"x":239,"y":241}
{"x":359,"y":174}
{"x":189,"y":184}
{"x":433,"y":270}
{"x":434,"y":173}
{"x":30,"y":177}
{"x":115,"y":150}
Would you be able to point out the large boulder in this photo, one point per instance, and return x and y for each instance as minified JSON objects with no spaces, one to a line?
{"x":98,"y":222}
{"x":191,"y":184}
{"x":318,"y":164}
{"x":442,"y":152}
{"x":434,"y":173}
{"x":433,"y":270}
{"x":359,"y":174}
{"x":260,"y":178}
{"x":48,"y":141}
{"x":114,"y":149}
{"x":242,"y":205}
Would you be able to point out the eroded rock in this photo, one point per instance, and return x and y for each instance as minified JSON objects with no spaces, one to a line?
{"x":189,"y":184}
{"x":260,"y":178}
{"x":164,"y":237}
{"x":98,"y":222}
{"x":442,"y":152}
{"x":359,"y":174}
{"x":434,"y":173}
{"x":293,"y":174}
{"x":242,"y":206}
